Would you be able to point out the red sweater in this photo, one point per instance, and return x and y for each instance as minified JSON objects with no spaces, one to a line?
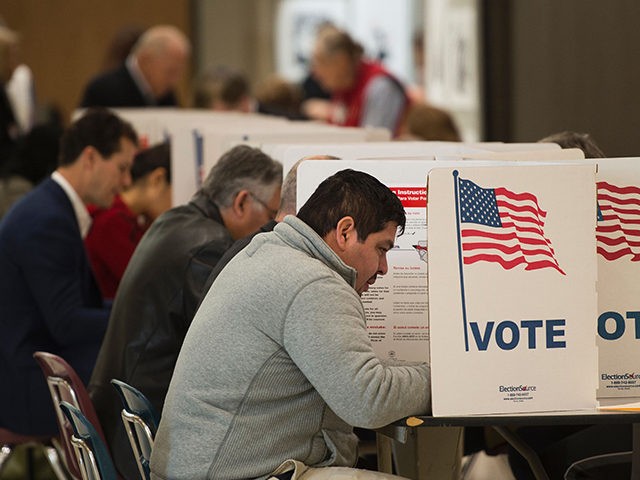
{"x":348,"y":105}
{"x":113,"y":237}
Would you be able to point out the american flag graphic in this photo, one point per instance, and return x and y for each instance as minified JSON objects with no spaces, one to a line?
{"x":498,"y":225}
{"x":618,"y":228}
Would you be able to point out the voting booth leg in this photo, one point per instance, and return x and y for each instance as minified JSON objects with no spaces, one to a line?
{"x":525,"y":450}
{"x":430,"y":453}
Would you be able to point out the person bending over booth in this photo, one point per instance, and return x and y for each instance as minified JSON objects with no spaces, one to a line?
{"x":116,"y":231}
{"x":162,"y":285}
{"x":49,"y":299}
{"x":277,"y":367}
{"x":149,"y":76}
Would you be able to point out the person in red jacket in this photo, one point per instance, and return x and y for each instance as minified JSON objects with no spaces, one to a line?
{"x":363,"y":93}
{"x":116,"y":231}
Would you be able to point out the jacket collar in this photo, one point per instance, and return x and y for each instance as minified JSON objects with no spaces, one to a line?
{"x":209,"y":209}
{"x":298,"y":234}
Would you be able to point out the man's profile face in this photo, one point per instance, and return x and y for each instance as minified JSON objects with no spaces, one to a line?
{"x":111,"y":175}
{"x":369,"y":258}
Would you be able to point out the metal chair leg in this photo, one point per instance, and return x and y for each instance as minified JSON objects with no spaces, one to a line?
{"x":56,"y":464}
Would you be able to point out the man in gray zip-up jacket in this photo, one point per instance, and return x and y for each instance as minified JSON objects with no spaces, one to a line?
{"x":277,"y":363}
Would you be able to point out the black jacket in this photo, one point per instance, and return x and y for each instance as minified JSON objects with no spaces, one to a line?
{"x":153,"y":308}
{"x":117,"y":88}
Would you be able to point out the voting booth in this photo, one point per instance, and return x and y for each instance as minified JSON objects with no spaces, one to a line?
{"x":528,"y":306}
{"x":512,"y":278}
{"x":618,"y":254}
{"x":617,"y":321}
{"x":494,"y":284}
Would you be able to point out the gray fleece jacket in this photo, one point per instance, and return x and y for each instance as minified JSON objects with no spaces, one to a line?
{"x":277,"y":365}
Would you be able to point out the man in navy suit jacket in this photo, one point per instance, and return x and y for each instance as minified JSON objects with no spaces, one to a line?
{"x":149,"y":76}
{"x":49,"y":299}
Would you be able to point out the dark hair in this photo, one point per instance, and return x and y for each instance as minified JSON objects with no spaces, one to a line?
{"x":36,"y":154}
{"x":242,"y":168}
{"x":223,"y":84}
{"x":147,"y":160}
{"x":431,"y":123}
{"x":99,"y":128}
{"x":356,"y":194}
{"x":583,"y":141}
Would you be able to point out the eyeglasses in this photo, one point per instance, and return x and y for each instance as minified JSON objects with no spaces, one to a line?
{"x":272,"y":213}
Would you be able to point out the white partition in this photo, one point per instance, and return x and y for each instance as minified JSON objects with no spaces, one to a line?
{"x":288,"y":153}
{"x":618,"y":246}
{"x":199,"y":137}
{"x":512,"y":276}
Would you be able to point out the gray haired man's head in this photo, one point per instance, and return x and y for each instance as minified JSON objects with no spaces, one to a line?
{"x":245,"y":185}
{"x":242,"y":168}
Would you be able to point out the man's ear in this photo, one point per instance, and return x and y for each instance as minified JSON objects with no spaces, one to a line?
{"x":345,"y":232}
{"x":89,"y":156}
{"x":239,"y":204}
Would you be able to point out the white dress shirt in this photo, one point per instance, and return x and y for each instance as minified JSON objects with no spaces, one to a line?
{"x":80,"y":209}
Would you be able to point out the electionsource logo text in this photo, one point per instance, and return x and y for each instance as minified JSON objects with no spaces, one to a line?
{"x":619,"y":376}
{"x":517,"y":388}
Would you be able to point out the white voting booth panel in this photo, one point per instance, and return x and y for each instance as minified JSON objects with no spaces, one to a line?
{"x":535,"y":156}
{"x":181,"y":126}
{"x":618,"y":247}
{"x":512,"y":275}
{"x":217,"y":141}
{"x":200,"y":137}
{"x":288,"y":154}
{"x":514,"y":147}
{"x":212,"y":142}
{"x":617,"y":323}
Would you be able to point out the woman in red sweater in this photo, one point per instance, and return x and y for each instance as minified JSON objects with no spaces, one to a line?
{"x":363,"y":92}
{"x":116,"y":231}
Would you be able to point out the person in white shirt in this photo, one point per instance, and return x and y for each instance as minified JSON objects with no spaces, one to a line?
{"x":49,"y":299}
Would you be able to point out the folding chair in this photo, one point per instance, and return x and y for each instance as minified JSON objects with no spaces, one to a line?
{"x":140,"y":422}
{"x":65,"y":385}
{"x":89,"y":448}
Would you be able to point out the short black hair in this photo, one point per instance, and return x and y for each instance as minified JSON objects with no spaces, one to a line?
{"x":147,"y":160}
{"x":99,"y":128}
{"x":221,"y":83}
{"x":358,"y":195}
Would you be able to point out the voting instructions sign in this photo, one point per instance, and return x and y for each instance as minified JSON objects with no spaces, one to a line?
{"x":512,"y":277}
{"x":396,"y":306}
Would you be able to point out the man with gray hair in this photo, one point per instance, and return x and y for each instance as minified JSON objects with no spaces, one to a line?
{"x":149,"y":76}
{"x":161,"y":287}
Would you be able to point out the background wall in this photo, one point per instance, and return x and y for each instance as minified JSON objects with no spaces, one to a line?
{"x":236,"y":33}
{"x":557,"y":65}
{"x":64,"y":41}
